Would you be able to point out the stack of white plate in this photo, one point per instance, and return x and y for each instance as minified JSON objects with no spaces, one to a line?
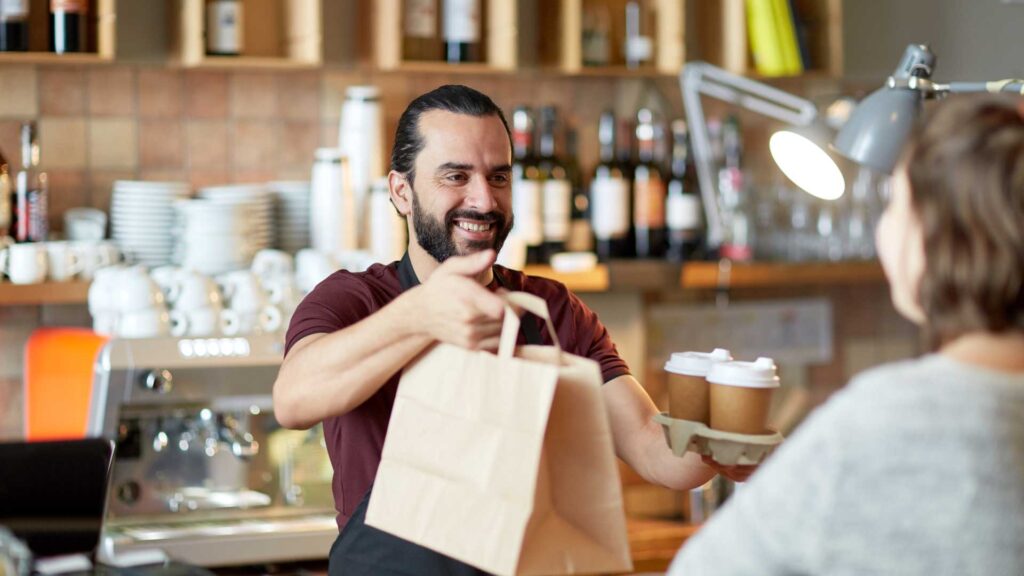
{"x":292,"y":214}
{"x":215,"y":237}
{"x":141,"y":219}
{"x":257,"y":199}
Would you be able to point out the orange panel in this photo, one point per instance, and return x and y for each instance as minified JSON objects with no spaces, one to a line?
{"x":58,"y":381}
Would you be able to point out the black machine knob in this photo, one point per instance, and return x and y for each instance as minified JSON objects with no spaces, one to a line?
{"x":159,"y":381}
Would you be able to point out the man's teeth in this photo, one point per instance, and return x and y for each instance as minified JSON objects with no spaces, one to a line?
{"x":474,"y":227}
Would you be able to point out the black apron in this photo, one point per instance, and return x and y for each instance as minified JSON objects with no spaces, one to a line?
{"x":362,"y":550}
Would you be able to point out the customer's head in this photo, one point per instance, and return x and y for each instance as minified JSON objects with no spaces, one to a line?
{"x":451,"y":172}
{"x":952,"y":238}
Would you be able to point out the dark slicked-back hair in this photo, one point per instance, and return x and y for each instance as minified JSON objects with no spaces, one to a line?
{"x":453,"y":98}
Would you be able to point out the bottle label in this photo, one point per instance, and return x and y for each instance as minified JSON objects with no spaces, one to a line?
{"x":13,"y":9}
{"x":224,"y":27}
{"x":526,"y":206}
{"x":682,"y":211}
{"x":609,"y":207}
{"x":77,"y":6}
{"x":462,"y":21}
{"x":421,"y":18}
{"x":649,"y":203}
{"x":557,"y":210}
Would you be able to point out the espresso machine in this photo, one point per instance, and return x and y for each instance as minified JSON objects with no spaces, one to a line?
{"x":203,"y":473}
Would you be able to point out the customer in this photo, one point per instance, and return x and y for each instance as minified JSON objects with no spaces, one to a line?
{"x":917,"y":467}
{"x":451,"y":178}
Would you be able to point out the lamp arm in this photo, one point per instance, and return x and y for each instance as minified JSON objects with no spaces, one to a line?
{"x":703,"y":79}
{"x":1012,"y":85}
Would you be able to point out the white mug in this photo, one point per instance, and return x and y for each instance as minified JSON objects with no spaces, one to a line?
{"x":24,"y":263}
{"x":196,"y":291}
{"x":63,"y":261}
{"x":243,"y":290}
{"x":266,"y":319}
{"x":144,"y":323}
{"x":311,"y":267}
{"x":103,"y":290}
{"x":271,"y":264}
{"x":204,"y":321}
{"x":137,"y":291}
{"x":96,"y":255}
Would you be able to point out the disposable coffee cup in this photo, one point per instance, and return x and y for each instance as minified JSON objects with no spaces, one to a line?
{"x":741,"y":395}
{"x":688,"y":396}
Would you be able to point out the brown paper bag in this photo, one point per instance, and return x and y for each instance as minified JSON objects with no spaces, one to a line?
{"x":504,"y":462}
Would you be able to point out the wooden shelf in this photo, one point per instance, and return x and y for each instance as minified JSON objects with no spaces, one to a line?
{"x":243,"y":62}
{"x":593,"y":280}
{"x":697,"y":275}
{"x":46,"y":293}
{"x":49,"y":58}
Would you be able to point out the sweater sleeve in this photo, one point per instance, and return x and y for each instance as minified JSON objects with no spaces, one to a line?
{"x":777,"y":522}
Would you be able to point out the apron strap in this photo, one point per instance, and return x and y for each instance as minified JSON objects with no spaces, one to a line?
{"x":407,"y":279}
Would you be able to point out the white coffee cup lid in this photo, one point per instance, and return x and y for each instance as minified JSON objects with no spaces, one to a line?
{"x":757,"y":374}
{"x":696,"y":363}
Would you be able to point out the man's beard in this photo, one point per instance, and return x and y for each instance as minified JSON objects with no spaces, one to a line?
{"x":437,"y":237}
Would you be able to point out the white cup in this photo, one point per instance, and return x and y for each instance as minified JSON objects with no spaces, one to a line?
{"x":105,"y":323}
{"x":311,"y":267}
{"x":103,"y":291}
{"x":243,"y":290}
{"x":204,"y":321}
{"x":266,"y":319}
{"x":137,"y":291}
{"x":63,"y":261}
{"x":283,"y":293}
{"x":24,"y":263}
{"x":196,"y":291}
{"x":85,"y":224}
{"x":144,"y":323}
{"x":169,"y":281}
{"x":269,"y":264}
{"x":96,"y":255}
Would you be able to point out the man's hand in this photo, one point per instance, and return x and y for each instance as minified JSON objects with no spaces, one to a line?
{"x":453,"y":307}
{"x":734,"y":473}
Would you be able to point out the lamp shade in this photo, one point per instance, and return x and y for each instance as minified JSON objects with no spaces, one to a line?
{"x":803,"y":160}
{"x":876,"y":131}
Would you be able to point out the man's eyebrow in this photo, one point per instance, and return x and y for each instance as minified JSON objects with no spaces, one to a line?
{"x":501,"y":168}
{"x":453,"y":166}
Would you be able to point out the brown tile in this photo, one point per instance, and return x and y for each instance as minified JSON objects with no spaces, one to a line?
{"x":298,"y":96}
{"x":207,"y":144}
{"x":206,"y":94}
{"x":292,"y":173}
{"x":255,"y":145}
{"x":62,"y":91}
{"x":62,"y":143}
{"x":101,"y":185}
{"x":160,"y":93}
{"x":162,"y":174}
{"x":161,"y":144}
{"x":18,"y":87}
{"x":208,"y":178}
{"x":113,"y":143}
{"x":10,"y":141}
{"x":329,"y":134}
{"x":11,"y":412}
{"x":111,"y":91}
{"x":68,"y":189}
{"x":254,"y":95}
{"x":253,"y":176}
{"x":299,"y":141}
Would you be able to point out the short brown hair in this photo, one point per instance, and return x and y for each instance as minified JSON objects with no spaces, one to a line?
{"x":965,"y":164}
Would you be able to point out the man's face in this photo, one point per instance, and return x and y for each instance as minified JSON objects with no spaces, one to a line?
{"x":462,"y":194}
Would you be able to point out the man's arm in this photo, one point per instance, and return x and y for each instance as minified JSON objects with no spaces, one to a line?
{"x":639,"y":440}
{"x":328,"y":375}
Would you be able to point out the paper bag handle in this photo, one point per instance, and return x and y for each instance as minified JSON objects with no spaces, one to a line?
{"x":510,"y":326}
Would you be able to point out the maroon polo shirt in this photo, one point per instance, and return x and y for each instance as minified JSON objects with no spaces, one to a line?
{"x":355,"y":440}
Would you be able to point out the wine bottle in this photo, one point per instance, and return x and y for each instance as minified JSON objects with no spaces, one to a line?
{"x":648,"y":191}
{"x":31,"y":223}
{"x":557,"y":188}
{"x":581,"y":235}
{"x":462,"y":31}
{"x":68,"y":19}
{"x":683,"y":205}
{"x":737,"y":221}
{"x":610,"y":197}
{"x":527,"y":187}
{"x":14,"y":25}
{"x":419,"y":31}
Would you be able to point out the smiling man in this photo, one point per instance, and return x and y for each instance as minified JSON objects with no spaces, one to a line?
{"x":451,"y":178}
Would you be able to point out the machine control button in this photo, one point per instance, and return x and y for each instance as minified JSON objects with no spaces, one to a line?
{"x":159,"y":381}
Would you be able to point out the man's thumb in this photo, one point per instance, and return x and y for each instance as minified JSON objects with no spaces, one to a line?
{"x":470,"y":265}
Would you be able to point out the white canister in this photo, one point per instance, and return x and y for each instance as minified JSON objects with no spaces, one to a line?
{"x":331,"y":205}
{"x":361,"y":139}
{"x":387,"y":229}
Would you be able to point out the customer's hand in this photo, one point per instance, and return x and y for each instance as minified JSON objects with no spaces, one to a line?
{"x":453,"y":307}
{"x":734,"y":473}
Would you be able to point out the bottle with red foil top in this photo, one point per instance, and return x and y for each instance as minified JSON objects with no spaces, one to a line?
{"x":68,"y":26}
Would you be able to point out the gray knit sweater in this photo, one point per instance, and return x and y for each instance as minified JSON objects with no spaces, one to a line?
{"x":915,"y":468}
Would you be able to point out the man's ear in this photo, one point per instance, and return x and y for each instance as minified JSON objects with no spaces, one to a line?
{"x":401,"y":193}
